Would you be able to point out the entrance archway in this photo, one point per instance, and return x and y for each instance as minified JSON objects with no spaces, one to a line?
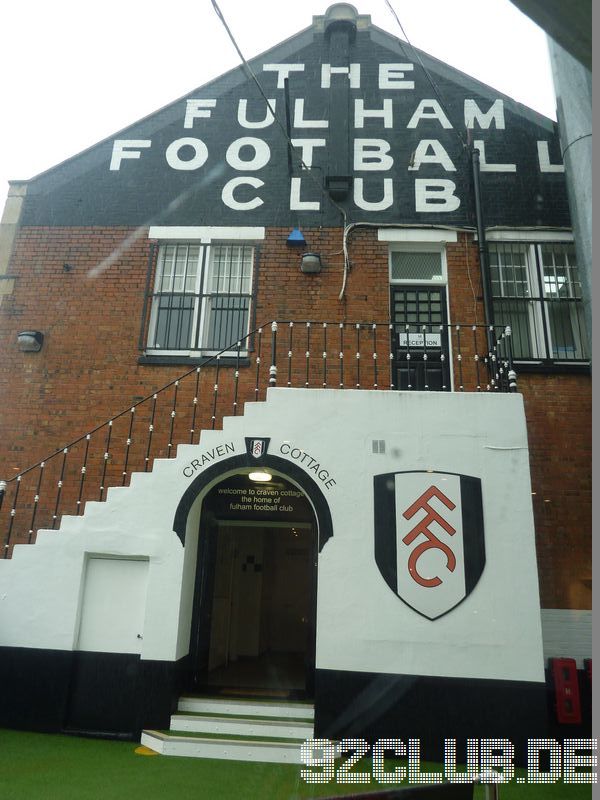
{"x":253,"y":621}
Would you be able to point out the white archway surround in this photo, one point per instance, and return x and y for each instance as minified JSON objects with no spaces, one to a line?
{"x":362,"y":626}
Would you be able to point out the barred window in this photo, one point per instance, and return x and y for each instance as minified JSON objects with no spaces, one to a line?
{"x":536,"y":290}
{"x":202,"y":297}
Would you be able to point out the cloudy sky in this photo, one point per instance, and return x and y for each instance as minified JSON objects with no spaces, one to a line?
{"x":74,"y":73}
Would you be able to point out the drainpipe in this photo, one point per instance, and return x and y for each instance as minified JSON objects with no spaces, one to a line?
{"x":483,"y":259}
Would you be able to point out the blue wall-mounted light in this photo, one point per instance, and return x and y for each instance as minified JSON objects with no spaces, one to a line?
{"x":296,"y":239}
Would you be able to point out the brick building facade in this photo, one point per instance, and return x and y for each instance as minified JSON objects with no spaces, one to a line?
{"x":143,"y":257}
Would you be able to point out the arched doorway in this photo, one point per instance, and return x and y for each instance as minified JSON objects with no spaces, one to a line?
{"x":254,"y":610}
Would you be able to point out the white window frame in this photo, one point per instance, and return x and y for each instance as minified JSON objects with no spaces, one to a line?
{"x":420,"y":247}
{"x":416,"y":240}
{"x":539,"y":310}
{"x":206,"y":237}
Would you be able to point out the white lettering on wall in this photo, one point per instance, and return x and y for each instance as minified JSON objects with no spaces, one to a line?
{"x":198,"y":159}
{"x":307,"y":147}
{"x":375,"y":205}
{"x":431,"y":151}
{"x":361,"y":113}
{"x":495,"y":114}
{"x":267,"y":120}
{"x":261,"y":157}
{"x":195,"y":109}
{"x":435,"y":195}
{"x":484,"y":166}
{"x":373,"y":114}
{"x":283,"y":71}
{"x":296,"y":204}
{"x":372,"y":155}
{"x":391,"y":76}
{"x":300,"y":122}
{"x":241,"y":205}
{"x":544,"y":159}
{"x":435,"y":112}
{"x":126,"y":148}
{"x":353,"y":73}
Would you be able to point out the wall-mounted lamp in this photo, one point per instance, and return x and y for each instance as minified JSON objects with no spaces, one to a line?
{"x":260,"y":476}
{"x":296,"y":239}
{"x":30,"y":341}
{"x":311,"y":263}
{"x":67,"y":267}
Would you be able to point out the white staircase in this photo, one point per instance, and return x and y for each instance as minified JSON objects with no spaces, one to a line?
{"x":235,"y":729}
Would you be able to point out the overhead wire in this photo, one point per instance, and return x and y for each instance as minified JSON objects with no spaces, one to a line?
{"x":250,"y":71}
{"x":347,"y":228}
{"x":299,"y":160}
{"x":437,"y":92}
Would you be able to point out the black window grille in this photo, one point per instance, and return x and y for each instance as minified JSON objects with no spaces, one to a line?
{"x":536,"y":290}
{"x":202,"y":297}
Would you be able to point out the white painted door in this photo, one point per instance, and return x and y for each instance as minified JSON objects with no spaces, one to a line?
{"x":113,"y":605}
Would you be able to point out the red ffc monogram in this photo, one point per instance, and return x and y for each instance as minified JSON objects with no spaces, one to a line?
{"x":432,"y":540}
{"x":257,"y":449}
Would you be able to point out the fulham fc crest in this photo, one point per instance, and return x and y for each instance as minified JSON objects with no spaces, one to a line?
{"x":429,"y":542}
{"x":257,"y":448}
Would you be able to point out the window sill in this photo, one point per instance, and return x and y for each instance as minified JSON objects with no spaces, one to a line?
{"x":552,"y":367}
{"x":193,"y":361}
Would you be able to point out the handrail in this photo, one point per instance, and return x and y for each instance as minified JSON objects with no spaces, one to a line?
{"x":209,"y":360}
{"x":307,"y":354}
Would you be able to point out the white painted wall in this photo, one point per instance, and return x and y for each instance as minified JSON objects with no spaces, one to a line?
{"x":361,"y":624}
{"x":113,"y":605}
{"x":188,"y":581}
{"x":567,"y":633}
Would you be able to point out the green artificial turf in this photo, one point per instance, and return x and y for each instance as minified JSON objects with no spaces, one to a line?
{"x":53,"y":767}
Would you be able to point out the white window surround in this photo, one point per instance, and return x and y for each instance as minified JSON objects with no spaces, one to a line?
{"x":204,"y":299}
{"x":417,"y":235}
{"x":419,"y":247}
{"x":418,"y":240}
{"x":525,"y":294}
{"x":205,"y":233}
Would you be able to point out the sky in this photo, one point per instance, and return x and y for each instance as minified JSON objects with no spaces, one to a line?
{"x":75,"y":73}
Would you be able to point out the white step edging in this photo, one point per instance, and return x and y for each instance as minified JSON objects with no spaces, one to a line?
{"x":236,"y":708}
{"x":243,"y":727}
{"x":226,"y":749}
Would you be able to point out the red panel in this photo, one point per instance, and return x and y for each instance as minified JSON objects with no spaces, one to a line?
{"x":566,"y":685}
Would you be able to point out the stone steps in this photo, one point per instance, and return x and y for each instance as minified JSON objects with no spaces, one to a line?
{"x":237,"y":729}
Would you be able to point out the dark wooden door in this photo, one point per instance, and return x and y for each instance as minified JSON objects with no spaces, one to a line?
{"x":420,"y":338}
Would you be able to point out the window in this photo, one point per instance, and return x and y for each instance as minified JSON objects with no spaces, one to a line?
{"x":202,"y":297}
{"x":416,"y":266}
{"x":536,"y":290}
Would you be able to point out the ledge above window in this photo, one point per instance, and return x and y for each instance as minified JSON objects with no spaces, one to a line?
{"x":553,"y":367}
{"x":417,"y":235}
{"x":205,"y":233}
{"x":193,"y":361}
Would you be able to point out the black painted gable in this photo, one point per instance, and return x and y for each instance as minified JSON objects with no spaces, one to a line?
{"x":147,"y":190}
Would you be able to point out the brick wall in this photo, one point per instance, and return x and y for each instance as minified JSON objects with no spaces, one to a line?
{"x":88,"y":370}
{"x":559,"y":418}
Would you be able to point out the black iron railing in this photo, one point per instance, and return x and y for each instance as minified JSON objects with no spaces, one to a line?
{"x":545,"y":329}
{"x":305,"y":354}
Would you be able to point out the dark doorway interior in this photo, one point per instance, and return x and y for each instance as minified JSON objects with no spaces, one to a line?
{"x":253,"y":629}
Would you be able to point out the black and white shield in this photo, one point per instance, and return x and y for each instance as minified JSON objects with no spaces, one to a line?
{"x":257,"y":448}
{"x":429,"y":537}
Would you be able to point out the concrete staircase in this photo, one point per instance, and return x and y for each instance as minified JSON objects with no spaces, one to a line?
{"x":235,"y":729}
